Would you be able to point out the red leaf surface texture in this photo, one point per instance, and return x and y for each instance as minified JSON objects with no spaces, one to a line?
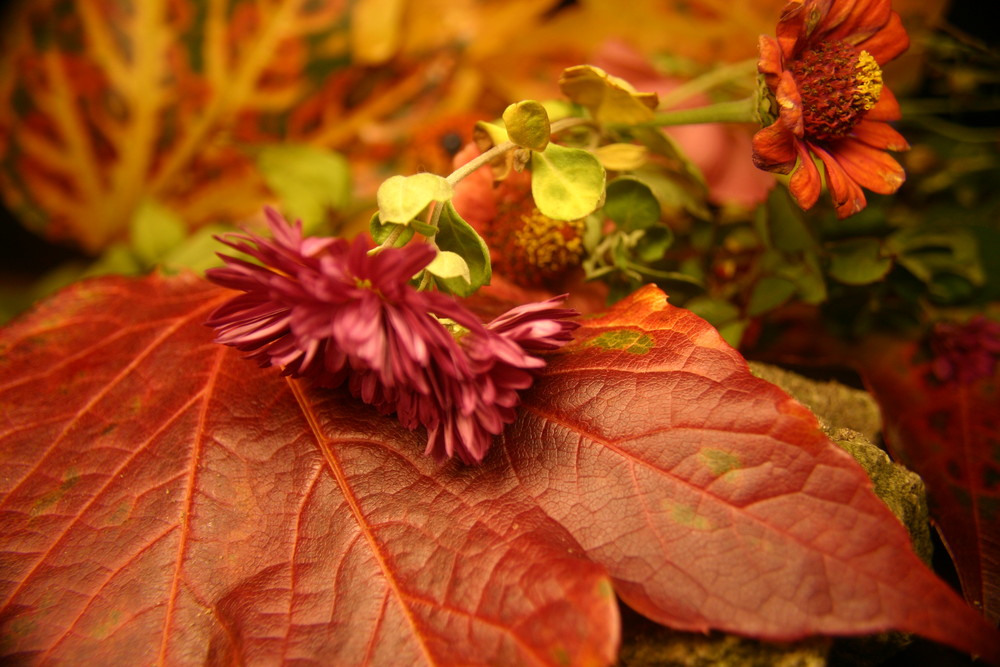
{"x":164,"y":501}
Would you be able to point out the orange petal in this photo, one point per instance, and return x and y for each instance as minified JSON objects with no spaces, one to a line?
{"x":806,"y":182}
{"x":790,"y":104}
{"x":869,"y":167}
{"x":848,"y":198}
{"x":887,"y":108}
{"x":854,"y":22}
{"x":770,"y":55}
{"x":888,"y":42}
{"x":791,"y":25}
{"x":774,"y":148}
{"x":879,"y":135}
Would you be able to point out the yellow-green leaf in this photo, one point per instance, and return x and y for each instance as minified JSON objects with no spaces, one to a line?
{"x":528,"y":124}
{"x":402,"y":198}
{"x":622,"y":157}
{"x":308,"y":180}
{"x":155,"y":230}
{"x":608,"y":98}
{"x":449,"y":265}
{"x":566,"y":183}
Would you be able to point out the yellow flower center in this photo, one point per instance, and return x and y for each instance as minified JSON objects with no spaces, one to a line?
{"x":839,"y":84}
{"x":549,"y":245}
{"x":534,"y":250}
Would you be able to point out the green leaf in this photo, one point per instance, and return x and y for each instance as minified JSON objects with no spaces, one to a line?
{"x":308,"y":180}
{"x":449,"y":265}
{"x":457,"y":236}
{"x":631,"y":204}
{"x":769,"y":293}
{"x":402,"y":198}
{"x":117,"y":259}
{"x":528,"y":124}
{"x":154,"y":231}
{"x":927,"y":253}
{"x":380,"y":232}
{"x":786,"y":223}
{"x":714,"y":310}
{"x":858,"y":261}
{"x":654,"y":243}
{"x":196,"y":252}
{"x":566,"y":183}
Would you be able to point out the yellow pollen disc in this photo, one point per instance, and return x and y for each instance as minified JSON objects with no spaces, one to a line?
{"x":868,"y":86}
{"x":545,"y":241}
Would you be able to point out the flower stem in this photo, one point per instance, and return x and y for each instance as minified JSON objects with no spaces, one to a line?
{"x":478,"y":161}
{"x":709,"y":80}
{"x":737,"y":111}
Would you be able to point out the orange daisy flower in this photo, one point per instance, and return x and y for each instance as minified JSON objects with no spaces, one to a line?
{"x":824,"y":71}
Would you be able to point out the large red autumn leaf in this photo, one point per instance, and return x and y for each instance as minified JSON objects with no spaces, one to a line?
{"x":166,"y":502}
{"x":949,"y":433}
{"x":163,"y":500}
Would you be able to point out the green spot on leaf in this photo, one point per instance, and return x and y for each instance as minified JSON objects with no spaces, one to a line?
{"x":633,"y":342}
{"x":57,"y":494}
{"x":686,"y":515}
{"x":720,"y":462}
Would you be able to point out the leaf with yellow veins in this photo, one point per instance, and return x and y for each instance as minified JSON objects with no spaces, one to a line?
{"x":608,"y":98}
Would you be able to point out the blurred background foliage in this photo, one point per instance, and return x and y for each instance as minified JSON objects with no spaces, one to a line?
{"x":131,"y":132}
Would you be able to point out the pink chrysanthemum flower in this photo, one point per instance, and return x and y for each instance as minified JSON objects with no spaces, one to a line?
{"x":965,"y":352}
{"x":318,"y":307}
{"x":462,"y":414}
{"x":325,"y":309}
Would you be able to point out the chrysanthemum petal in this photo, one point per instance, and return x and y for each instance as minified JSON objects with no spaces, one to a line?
{"x":869,"y":167}
{"x":805,"y":184}
{"x":848,"y":198}
{"x":774,"y":148}
{"x":879,"y":135}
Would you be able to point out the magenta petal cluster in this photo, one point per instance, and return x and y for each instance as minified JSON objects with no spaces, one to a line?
{"x":324,"y":308}
{"x":965,"y":352}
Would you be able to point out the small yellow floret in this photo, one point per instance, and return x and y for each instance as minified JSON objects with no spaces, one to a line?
{"x":545,"y":241}
{"x":869,"y":81}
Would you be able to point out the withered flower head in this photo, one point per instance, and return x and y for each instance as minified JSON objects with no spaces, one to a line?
{"x":824,"y":71}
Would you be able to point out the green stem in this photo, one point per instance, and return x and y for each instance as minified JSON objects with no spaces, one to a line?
{"x":389,"y":241}
{"x":707,"y":81}
{"x":478,"y":161}
{"x":737,"y":111}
